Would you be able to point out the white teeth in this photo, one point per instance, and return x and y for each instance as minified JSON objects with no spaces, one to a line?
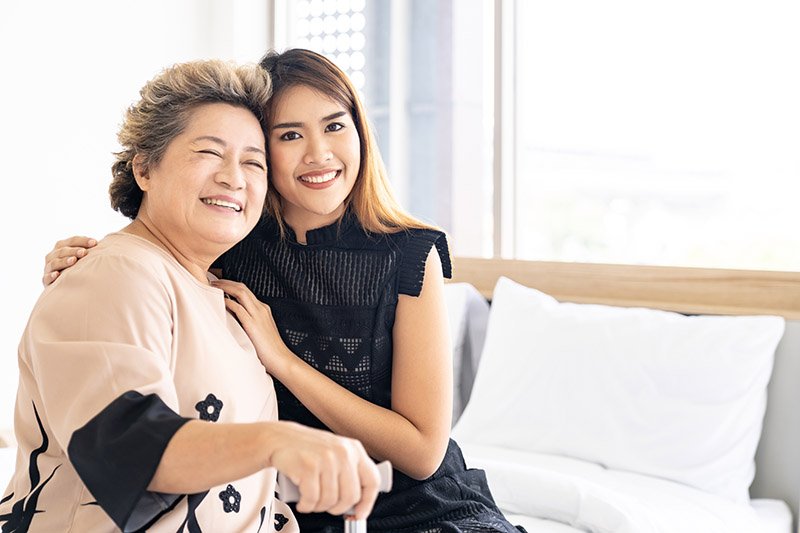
{"x":322,"y":178}
{"x":222,"y":203}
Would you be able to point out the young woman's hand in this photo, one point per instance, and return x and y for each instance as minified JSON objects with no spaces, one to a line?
{"x":65,"y":254}
{"x":257,"y":321}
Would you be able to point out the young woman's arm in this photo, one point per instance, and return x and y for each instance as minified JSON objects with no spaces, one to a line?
{"x":414,"y":433}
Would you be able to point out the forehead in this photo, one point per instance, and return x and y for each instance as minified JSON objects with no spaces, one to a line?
{"x":235,"y":124}
{"x":302,"y":100}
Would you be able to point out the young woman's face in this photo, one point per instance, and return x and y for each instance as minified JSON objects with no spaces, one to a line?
{"x":314,"y":153}
{"x":208,"y":190}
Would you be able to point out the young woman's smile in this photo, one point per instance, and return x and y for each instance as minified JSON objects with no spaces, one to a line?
{"x":315,"y":156}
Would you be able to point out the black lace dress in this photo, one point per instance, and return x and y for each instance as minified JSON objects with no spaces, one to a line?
{"x":334,"y":302}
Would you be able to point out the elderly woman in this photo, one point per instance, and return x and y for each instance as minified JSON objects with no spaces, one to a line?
{"x":142,"y":404}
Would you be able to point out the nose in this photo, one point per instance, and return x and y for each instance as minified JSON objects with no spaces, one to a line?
{"x":317,"y":150}
{"x":231,"y":175}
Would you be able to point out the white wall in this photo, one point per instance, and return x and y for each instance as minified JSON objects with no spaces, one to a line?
{"x":68,"y":70}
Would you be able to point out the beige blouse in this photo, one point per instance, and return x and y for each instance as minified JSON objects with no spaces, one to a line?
{"x":119,"y":352}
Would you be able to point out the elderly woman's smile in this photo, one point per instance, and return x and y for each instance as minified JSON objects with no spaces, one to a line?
{"x":227,"y":204}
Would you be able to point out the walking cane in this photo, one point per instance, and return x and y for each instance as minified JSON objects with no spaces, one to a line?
{"x":290,"y":494}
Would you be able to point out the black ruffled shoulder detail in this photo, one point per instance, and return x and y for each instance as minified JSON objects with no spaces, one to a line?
{"x":417,"y":248}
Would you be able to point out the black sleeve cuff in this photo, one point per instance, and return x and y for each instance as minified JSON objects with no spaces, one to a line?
{"x":117,"y":453}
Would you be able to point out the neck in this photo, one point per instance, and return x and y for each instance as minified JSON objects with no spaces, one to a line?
{"x":304,"y":223}
{"x":196,"y":266}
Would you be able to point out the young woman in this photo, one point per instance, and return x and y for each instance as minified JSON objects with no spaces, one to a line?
{"x":359,"y":342}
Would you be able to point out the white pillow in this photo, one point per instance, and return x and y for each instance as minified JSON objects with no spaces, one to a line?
{"x":659,"y":393}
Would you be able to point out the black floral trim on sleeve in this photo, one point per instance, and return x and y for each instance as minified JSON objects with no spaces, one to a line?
{"x":116,"y":455}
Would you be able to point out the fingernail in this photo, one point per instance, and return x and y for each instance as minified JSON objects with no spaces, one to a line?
{"x":71,"y":260}
{"x":92,"y":242}
{"x":81,"y":252}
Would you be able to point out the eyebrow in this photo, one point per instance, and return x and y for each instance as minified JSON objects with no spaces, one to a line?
{"x":223,"y":143}
{"x":284,"y":125}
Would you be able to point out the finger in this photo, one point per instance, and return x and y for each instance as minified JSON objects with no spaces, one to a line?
{"x":349,"y":488}
{"x":234,"y":288}
{"x":329,"y":489}
{"x":242,"y":294}
{"x":54,"y":268}
{"x":309,"y":494}
{"x":57,"y":265}
{"x":64,"y":253}
{"x":49,"y":278}
{"x":370,"y":482}
{"x":238,"y":310}
{"x":71,"y":251}
{"x":77,"y":242}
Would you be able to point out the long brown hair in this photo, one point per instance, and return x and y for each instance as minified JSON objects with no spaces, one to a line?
{"x":371,"y":199}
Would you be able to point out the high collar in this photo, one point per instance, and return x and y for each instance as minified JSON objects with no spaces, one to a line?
{"x":324,"y":235}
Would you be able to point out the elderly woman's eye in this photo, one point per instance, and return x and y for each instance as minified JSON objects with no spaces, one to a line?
{"x":257,"y":164}
{"x":212,"y":152}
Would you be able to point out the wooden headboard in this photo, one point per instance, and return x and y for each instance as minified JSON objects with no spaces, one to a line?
{"x":680,"y":289}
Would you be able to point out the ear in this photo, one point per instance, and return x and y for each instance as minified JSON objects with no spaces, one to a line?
{"x":141,"y":172}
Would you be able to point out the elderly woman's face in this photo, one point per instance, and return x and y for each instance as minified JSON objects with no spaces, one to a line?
{"x":209,"y":188}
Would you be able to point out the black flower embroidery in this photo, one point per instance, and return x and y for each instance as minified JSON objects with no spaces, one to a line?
{"x":230,"y":499}
{"x":280,"y":521}
{"x":209,"y":408}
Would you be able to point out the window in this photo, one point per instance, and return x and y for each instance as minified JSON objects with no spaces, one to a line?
{"x":425,"y":74}
{"x":575,"y":130}
{"x":658,"y":132}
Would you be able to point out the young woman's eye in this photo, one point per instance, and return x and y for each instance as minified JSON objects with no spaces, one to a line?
{"x":335,"y":126}
{"x":289,"y":136}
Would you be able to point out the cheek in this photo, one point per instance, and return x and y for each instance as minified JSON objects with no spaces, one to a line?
{"x":258,"y":190}
{"x":280,"y":162}
{"x":354,"y":153}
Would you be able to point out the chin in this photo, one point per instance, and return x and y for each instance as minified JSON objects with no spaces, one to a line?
{"x":227,"y":240}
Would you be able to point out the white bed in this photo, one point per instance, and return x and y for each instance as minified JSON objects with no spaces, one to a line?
{"x":554,"y":493}
{"x":624,"y":412}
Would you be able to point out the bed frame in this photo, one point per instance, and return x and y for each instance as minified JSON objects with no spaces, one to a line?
{"x":688,"y":291}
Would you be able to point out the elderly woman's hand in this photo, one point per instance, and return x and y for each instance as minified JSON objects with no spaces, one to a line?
{"x":257,"y":321}
{"x":333,"y":474}
{"x":65,"y":254}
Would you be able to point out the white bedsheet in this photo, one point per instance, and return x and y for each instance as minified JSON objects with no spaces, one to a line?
{"x":557,"y":494}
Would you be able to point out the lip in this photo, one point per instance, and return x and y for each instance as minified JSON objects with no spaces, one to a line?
{"x":318,"y":174}
{"x":223,"y":198}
